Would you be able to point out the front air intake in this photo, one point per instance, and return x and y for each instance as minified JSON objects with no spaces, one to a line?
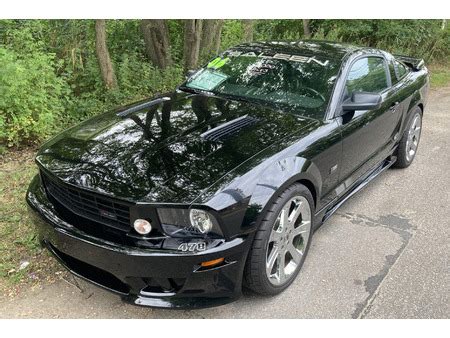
{"x":221,"y":132}
{"x":108,"y":211}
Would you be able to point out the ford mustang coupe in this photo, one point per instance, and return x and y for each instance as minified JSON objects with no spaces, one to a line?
{"x":179,"y":200}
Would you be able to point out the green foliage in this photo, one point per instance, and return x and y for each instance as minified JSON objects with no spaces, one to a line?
{"x":50,"y":78}
{"x":421,"y":38}
{"x":232,"y":32}
{"x":136,"y":77}
{"x":31,"y":96}
{"x":279,"y":30}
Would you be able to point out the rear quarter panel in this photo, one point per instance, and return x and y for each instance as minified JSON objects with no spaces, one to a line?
{"x":415,"y":92}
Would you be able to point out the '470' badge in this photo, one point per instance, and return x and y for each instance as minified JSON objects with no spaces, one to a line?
{"x":192,"y":247}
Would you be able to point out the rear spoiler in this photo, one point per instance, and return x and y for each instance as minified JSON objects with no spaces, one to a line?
{"x":415,"y":63}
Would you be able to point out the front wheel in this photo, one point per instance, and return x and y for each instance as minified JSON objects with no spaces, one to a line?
{"x":281,"y":243}
{"x":409,"y":142}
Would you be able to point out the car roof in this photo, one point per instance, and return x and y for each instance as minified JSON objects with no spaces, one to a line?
{"x":328,"y":49}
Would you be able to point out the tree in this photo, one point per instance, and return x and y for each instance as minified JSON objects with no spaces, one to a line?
{"x":157,"y":45}
{"x":104,"y":60}
{"x":192,"y":38}
{"x":210,"y":40}
{"x":306,"y":30}
{"x":248,"y":30}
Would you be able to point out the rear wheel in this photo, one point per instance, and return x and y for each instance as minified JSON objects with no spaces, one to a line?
{"x":281,"y":243}
{"x":409,"y":142}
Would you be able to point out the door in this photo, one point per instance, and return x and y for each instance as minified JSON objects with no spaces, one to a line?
{"x":366,"y":133}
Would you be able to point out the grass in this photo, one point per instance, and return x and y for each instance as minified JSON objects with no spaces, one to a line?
{"x":18,"y":237}
{"x":440,"y":74}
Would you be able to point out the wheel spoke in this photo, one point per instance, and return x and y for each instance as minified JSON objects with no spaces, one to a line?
{"x":284,"y":217}
{"x":306,"y":212}
{"x":272,"y":259}
{"x":296,"y":212}
{"x":302,"y":228}
{"x":281,"y":267}
{"x":275,"y":236}
{"x":295,"y":253}
{"x":416,"y":132}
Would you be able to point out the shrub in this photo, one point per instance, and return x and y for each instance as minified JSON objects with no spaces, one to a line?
{"x":50,"y":78}
{"x":31,"y":96}
{"x":421,"y":38}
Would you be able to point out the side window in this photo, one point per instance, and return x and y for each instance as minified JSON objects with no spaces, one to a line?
{"x":393,"y":72}
{"x":400,"y":68}
{"x":367,"y":75}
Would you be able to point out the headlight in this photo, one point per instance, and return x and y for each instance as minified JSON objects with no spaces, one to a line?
{"x":180,"y":222}
{"x":200,"y":220}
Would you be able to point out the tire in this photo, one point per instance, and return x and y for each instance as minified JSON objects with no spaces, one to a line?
{"x":281,"y":234}
{"x":409,"y":143}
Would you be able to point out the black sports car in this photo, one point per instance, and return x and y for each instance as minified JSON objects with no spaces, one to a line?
{"x":178,"y":200}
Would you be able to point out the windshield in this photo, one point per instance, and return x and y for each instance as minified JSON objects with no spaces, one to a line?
{"x":299,"y":84}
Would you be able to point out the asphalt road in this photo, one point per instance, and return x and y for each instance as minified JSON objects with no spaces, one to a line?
{"x":384,"y":254}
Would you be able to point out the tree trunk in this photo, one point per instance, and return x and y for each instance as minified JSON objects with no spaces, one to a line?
{"x":306,"y":31}
{"x":444,"y":24}
{"x":248,"y":30}
{"x":192,"y":38}
{"x":157,"y":45}
{"x":217,"y":39}
{"x":104,"y":60}
{"x":210,"y":41}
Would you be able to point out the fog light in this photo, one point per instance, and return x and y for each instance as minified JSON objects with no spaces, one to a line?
{"x":142,"y":226}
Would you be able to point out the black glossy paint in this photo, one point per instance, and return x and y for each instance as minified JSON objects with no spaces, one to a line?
{"x":160,"y":155}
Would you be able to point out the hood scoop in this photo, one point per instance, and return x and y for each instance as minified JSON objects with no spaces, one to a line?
{"x":221,"y":132}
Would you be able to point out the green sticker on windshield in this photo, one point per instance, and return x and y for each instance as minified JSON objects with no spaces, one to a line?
{"x":207,"y":80}
{"x":218,"y":62}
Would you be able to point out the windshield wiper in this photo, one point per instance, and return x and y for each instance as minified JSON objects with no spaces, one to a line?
{"x":241,"y":98}
{"x":222,"y":95}
{"x":196,"y":91}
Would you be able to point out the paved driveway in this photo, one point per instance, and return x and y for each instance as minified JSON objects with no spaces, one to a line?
{"x":384,"y":254}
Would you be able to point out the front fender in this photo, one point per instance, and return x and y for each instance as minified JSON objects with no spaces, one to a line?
{"x":243,"y":203}
{"x":275,"y":180}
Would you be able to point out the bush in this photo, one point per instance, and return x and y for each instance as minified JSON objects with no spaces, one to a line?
{"x":421,"y":38}
{"x":50,"y":78}
{"x":31,"y":96}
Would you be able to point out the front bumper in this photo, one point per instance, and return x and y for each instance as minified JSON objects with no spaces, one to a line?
{"x":149,"y":277}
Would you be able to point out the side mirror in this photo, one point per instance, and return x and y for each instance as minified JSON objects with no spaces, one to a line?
{"x":362,"y":101}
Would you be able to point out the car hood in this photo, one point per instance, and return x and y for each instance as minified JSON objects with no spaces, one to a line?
{"x":168,"y":152}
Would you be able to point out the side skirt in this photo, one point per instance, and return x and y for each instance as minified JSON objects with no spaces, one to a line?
{"x":326,"y":213}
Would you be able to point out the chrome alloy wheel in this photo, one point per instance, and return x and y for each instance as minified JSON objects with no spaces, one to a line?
{"x":288,"y":240}
{"x":413,"y":137}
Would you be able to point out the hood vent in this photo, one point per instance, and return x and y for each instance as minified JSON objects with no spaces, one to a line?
{"x":224,"y":130}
